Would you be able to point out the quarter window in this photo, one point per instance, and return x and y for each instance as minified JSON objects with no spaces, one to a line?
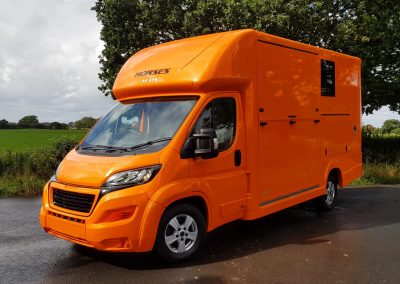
{"x":327,"y":78}
{"x":220,"y":115}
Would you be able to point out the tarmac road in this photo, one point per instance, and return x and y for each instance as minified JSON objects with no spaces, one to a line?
{"x":358,"y":242}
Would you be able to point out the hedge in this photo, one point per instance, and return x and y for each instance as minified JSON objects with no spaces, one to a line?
{"x":381,"y":148}
{"x":25,"y":172}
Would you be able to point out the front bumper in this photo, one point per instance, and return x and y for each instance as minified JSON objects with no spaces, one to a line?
{"x":96,"y":229}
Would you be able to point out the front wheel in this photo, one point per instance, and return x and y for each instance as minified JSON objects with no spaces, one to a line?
{"x":181,"y":232}
{"x":327,"y":201}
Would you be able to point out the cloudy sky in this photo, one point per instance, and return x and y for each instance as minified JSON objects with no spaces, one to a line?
{"x":49,"y":62}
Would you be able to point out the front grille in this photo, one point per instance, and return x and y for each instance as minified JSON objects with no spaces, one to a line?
{"x":72,"y":200}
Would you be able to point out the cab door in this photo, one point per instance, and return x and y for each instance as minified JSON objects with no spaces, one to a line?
{"x":222,"y":178}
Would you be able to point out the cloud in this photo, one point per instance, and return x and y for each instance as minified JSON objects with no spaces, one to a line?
{"x":49,"y":60}
{"x":379,"y":117}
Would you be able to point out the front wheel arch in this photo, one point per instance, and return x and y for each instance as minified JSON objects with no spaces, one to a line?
{"x":196,"y":201}
{"x":154,"y":212}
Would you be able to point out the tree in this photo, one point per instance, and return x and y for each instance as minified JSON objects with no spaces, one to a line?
{"x":29,"y":121}
{"x":368,"y":129}
{"x":396,"y":131}
{"x":85,"y":122}
{"x":367,"y":29}
{"x":3,"y":124}
{"x":391,"y":126}
{"x":57,"y":125}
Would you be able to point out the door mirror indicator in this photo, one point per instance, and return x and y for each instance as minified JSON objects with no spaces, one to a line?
{"x":203,"y":144}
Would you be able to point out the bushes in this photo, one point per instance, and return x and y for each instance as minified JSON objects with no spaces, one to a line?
{"x":381,"y":148}
{"x":381,"y":158}
{"x":25,"y":172}
{"x":21,"y":185}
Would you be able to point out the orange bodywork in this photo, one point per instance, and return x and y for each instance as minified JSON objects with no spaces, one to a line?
{"x":290,"y":138}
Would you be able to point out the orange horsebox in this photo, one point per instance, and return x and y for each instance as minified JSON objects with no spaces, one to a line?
{"x":208,"y":130}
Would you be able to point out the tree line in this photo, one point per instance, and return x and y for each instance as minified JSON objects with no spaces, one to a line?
{"x":32,"y":121}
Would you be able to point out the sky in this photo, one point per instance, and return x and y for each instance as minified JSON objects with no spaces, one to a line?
{"x":379,"y":117}
{"x":49,"y":62}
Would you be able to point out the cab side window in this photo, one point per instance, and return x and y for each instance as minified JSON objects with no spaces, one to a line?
{"x":220,"y":115}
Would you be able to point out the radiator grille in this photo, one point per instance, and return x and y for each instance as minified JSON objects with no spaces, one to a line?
{"x":72,"y":200}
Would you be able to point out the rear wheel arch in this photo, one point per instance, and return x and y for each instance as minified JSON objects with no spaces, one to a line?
{"x":336,"y":173}
{"x":333,"y":169}
{"x":327,"y":201}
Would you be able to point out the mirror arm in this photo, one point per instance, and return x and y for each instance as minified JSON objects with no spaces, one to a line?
{"x":188,"y":148}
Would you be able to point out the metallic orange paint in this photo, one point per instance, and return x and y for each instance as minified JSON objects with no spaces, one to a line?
{"x":290,"y":138}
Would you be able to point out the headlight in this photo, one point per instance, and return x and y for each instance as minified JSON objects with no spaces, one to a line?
{"x":54,"y":177}
{"x":129,"y":178}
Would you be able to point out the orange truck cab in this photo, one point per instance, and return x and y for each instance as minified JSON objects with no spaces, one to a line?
{"x":208,"y":130}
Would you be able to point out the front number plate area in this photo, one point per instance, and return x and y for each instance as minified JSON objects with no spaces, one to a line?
{"x":65,"y":227}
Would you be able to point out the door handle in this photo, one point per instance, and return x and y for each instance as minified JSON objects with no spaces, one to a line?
{"x":291,"y":122}
{"x":238,"y":158}
{"x":263,"y":123}
{"x":317,"y":121}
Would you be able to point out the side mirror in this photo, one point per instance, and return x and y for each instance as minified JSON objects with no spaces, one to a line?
{"x":204,"y":144}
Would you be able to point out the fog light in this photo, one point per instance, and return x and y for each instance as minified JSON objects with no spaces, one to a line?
{"x":115,"y":243}
{"x":117,"y":214}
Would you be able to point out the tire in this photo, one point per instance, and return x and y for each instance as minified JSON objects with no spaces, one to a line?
{"x":327,"y":202}
{"x":180,"y":233}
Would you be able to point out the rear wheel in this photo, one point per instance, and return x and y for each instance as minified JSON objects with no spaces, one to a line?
{"x":327,"y":201}
{"x":181,"y":232}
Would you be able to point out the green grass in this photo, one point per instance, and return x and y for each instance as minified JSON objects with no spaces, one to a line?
{"x":23,"y":139}
{"x":379,"y":174}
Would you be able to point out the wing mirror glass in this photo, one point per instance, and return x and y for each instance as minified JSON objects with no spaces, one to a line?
{"x":203,"y":144}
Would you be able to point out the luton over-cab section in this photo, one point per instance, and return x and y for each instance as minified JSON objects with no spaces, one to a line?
{"x":208,"y":130}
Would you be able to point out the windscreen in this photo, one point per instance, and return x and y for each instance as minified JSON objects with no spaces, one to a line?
{"x":138,"y":124}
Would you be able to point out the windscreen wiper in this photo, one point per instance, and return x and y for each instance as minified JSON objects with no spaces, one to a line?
{"x":148,"y":143}
{"x":132,"y":148}
{"x":101,"y":147}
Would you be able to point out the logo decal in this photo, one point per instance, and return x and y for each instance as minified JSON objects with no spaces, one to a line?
{"x":152,"y":72}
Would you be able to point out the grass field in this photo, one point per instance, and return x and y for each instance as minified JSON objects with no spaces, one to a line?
{"x":23,"y":139}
